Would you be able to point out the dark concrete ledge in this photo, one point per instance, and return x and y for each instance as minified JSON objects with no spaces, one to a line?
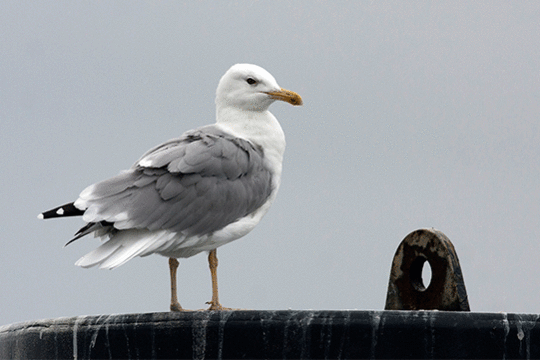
{"x":277,"y":335}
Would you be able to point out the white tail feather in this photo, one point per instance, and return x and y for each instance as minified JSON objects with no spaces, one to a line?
{"x":124,"y":254}
{"x":124,"y":246}
{"x":98,"y":255}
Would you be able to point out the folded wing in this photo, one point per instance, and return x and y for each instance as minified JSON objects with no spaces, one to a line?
{"x":196,"y":184}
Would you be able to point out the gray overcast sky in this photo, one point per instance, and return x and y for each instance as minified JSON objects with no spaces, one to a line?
{"x":417,"y":114}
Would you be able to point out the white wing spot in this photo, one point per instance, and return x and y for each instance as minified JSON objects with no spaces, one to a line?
{"x":60,"y":211}
{"x":145,"y":163}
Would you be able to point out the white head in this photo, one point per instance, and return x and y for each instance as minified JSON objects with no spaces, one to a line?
{"x":250,"y":87}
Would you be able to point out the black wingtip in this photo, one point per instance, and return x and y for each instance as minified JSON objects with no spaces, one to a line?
{"x":61,"y":211}
{"x":70,"y":241}
{"x":89,"y":228}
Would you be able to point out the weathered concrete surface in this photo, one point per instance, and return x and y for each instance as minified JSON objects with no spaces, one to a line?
{"x":277,"y":335}
{"x":446,"y":290}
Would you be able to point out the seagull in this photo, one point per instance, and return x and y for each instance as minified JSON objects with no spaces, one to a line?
{"x":195,"y":193}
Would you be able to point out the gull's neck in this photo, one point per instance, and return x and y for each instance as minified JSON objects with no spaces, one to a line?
{"x":259,"y":127}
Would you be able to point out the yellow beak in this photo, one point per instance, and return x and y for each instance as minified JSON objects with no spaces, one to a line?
{"x":286,"y":95}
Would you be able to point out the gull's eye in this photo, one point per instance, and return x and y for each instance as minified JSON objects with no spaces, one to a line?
{"x":251,"y":81}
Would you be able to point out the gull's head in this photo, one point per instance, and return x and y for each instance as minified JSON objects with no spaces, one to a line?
{"x":250,"y":87}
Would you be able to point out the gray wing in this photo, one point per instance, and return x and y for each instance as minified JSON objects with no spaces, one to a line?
{"x":197,"y":184}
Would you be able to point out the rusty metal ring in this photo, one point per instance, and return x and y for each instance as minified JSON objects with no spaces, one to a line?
{"x":406,"y":290}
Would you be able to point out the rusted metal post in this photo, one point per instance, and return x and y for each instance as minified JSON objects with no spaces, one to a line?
{"x":406,"y":290}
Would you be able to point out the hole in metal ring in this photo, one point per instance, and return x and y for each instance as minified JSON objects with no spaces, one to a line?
{"x":419,"y":272}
